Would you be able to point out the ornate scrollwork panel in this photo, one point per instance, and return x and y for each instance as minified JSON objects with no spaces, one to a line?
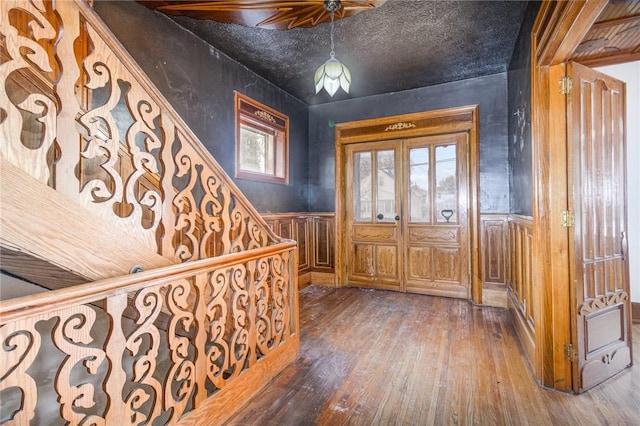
{"x":210,"y":219}
{"x":264,"y":311}
{"x":180,"y":382}
{"x":20,"y":345}
{"x":72,"y":336}
{"x":218,"y":353}
{"x":603,"y":301}
{"x":27,"y":118}
{"x":279,"y":283}
{"x":120,"y":156}
{"x":144,"y":402}
{"x":240,"y":306}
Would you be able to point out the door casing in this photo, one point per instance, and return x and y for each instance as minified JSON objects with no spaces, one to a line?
{"x":559,"y":29}
{"x":451,"y":120}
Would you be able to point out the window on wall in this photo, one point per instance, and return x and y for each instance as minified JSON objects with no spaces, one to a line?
{"x":262,"y":142}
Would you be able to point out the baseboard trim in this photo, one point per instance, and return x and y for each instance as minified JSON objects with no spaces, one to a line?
{"x":325,"y":279}
{"x":304,"y":280}
{"x":496,"y":297}
{"x":523,"y":330}
{"x":635,"y":312}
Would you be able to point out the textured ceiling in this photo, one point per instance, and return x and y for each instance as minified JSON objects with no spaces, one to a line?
{"x":403,"y":44}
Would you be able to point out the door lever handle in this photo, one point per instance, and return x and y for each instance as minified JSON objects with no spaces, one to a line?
{"x":623,"y":242}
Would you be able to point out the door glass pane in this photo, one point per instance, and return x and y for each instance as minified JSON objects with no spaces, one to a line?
{"x":362,"y":200}
{"x":419,"y":200}
{"x":386,"y":188}
{"x":446,"y":197}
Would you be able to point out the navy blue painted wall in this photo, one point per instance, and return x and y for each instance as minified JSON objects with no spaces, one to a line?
{"x":520,"y":151}
{"x":489,"y":92}
{"x":199,"y":82}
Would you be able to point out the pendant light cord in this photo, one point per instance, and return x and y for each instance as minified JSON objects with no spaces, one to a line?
{"x":333,"y":29}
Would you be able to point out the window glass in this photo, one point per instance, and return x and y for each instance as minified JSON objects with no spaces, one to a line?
{"x":446,"y":190}
{"x":362,"y":200}
{"x":261,"y":142}
{"x":386,"y":188}
{"x":419,"y":199}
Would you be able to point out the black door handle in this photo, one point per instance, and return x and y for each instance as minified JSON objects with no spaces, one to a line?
{"x":380,"y":216}
{"x":397,"y":217}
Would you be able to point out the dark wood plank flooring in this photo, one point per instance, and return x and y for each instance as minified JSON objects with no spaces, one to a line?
{"x":383,"y":358}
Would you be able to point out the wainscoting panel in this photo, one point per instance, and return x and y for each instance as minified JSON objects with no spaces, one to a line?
{"x":314,"y":234}
{"x":494,"y":254}
{"x":521,"y":291}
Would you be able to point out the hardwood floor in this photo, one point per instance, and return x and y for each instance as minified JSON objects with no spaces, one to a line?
{"x":382,"y":358}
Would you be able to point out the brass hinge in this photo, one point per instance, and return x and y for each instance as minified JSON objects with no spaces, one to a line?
{"x":566,"y":85}
{"x":568,"y":219}
{"x":570,"y":353}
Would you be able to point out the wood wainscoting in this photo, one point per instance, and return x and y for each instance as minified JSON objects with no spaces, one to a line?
{"x":506,"y":244}
{"x":494,"y":237}
{"x":315,"y":237}
{"x":520,"y":282}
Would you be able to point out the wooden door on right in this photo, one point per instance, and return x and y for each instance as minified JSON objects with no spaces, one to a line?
{"x":601,"y":316}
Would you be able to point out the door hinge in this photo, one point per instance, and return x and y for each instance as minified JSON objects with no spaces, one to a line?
{"x":568,"y":219}
{"x":566,"y":84}
{"x":570,"y":353}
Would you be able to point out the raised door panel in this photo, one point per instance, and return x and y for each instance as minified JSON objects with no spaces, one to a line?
{"x":386,"y":261}
{"x":447,"y":264}
{"x":420,"y":263}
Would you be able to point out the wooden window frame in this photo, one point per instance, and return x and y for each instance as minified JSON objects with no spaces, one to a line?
{"x":251,"y":113}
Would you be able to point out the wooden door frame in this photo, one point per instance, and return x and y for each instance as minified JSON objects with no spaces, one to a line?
{"x":558,"y":30}
{"x":451,"y":120}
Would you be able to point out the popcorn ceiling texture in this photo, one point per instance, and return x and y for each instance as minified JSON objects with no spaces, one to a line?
{"x":403,"y":44}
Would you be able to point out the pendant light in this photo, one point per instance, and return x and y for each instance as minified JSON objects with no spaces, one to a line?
{"x":333,"y":74}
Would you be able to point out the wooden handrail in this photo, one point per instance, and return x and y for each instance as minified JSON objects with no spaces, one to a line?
{"x":43,"y":303}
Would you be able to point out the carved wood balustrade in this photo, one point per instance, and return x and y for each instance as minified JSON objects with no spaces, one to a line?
{"x":77,"y":115}
{"x":116,"y":365}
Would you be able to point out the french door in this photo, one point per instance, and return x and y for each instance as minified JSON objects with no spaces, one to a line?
{"x":407,"y":215}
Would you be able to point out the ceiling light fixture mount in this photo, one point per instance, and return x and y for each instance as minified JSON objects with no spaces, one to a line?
{"x":333,"y":74}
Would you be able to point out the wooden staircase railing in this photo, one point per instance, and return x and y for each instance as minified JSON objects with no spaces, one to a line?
{"x":96,"y":354}
{"x":78,"y":114}
{"x":78,"y":119}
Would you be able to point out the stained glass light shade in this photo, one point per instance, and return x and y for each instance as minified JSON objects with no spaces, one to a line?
{"x":332,"y":75}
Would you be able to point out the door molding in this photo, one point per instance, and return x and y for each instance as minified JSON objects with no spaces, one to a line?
{"x":559,"y":28}
{"x":428,"y":123}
